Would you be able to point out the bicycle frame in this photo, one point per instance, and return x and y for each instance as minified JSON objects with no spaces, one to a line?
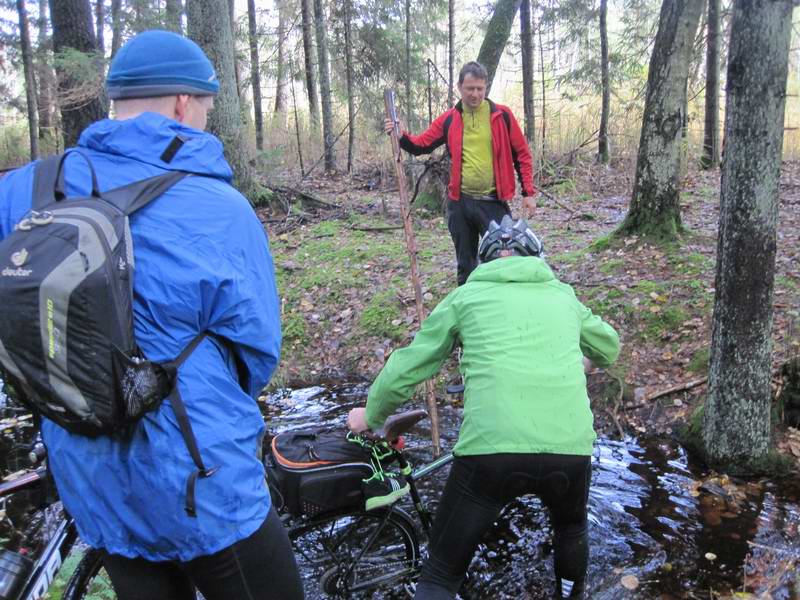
{"x":412,"y":475}
{"x":62,"y":538}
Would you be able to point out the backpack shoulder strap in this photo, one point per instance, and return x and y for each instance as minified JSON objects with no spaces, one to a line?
{"x":184,"y":424}
{"x":45,"y":174}
{"x":133,"y":196}
{"x":507,"y":120}
{"x":48,"y":179}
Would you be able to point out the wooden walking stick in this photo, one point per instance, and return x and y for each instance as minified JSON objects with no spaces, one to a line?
{"x":411,"y":247}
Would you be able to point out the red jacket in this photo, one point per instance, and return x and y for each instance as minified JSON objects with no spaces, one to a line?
{"x":509,"y":149}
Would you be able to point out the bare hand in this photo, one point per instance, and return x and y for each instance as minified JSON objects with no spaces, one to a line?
{"x":388,"y":126}
{"x":356,"y":420}
{"x":529,"y":204}
{"x":588,"y":365}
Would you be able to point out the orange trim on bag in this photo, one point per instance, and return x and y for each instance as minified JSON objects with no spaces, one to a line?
{"x":295,"y":465}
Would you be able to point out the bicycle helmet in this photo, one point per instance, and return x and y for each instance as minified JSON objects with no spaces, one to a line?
{"x":509,"y":238}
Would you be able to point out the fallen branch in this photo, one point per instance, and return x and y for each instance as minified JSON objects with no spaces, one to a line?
{"x":671,"y":390}
{"x":550,"y":196}
{"x":386,"y":228}
{"x":305,"y":197}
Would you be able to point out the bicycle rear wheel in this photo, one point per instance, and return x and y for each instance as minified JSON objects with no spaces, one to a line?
{"x":90,"y":579}
{"x":358,"y":554}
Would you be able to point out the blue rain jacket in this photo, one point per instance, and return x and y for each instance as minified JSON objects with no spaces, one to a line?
{"x":202,"y":263}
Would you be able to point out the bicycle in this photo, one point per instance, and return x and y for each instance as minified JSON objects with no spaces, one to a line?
{"x":355,"y":552}
{"x":350,"y":552}
{"x":49,"y":535}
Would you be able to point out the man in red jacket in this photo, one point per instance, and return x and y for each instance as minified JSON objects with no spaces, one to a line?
{"x":486,"y":146}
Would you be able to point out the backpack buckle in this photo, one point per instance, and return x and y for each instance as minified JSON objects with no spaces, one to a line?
{"x":34,"y":219}
{"x":204,"y":473}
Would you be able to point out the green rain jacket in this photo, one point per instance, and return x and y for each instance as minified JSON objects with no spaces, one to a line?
{"x":524,"y":335}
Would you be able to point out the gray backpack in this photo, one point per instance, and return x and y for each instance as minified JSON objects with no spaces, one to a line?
{"x":66,"y":327}
{"x":66,"y":331}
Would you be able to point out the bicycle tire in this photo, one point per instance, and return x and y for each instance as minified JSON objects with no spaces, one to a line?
{"x":89,"y":579}
{"x":356,"y":554}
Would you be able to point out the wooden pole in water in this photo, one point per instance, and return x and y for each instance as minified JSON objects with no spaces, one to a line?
{"x":411,"y":247}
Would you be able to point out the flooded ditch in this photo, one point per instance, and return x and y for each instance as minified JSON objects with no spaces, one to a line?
{"x":660,"y":527}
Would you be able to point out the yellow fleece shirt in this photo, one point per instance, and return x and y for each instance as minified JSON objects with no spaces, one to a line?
{"x":477,"y":166}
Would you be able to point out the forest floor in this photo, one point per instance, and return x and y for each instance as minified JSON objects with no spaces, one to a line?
{"x":347,"y":299}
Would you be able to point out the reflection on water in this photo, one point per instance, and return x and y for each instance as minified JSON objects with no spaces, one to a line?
{"x":678,"y":531}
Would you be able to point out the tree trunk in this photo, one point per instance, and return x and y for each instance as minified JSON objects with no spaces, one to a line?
{"x":45,"y":79}
{"x":208,"y":25}
{"x":348,"y":54}
{"x":30,"y":79}
{"x":602,"y":144}
{"x":324,"y":86}
{"x":451,"y":50}
{"x":100,"y":25}
{"x":526,"y":39}
{"x":172,"y":19}
{"x":73,"y":28}
{"x":141,"y":15}
{"x":710,"y":157}
{"x":236,"y":62}
{"x":655,"y":210}
{"x":255,"y":72}
{"x":497,"y":33}
{"x":310,"y":67}
{"x":736,"y":421}
{"x":409,"y":109}
{"x":544,"y":95}
{"x":280,"y":77}
{"x":116,"y":26}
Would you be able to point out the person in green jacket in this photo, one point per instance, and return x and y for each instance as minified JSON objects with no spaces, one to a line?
{"x":528,"y":426}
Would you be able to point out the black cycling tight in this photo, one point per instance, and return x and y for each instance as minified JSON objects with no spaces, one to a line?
{"x":261,"y":567}
{"x":477,"y":490}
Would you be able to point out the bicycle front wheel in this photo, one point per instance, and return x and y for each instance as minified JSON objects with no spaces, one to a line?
{"x":358,"y":554}
{"x":90,"y":579}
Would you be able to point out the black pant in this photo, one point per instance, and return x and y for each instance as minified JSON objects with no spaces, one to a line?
{"x":261,"y":567}
{"x":467,"y":220}
{"x":477,"y":490}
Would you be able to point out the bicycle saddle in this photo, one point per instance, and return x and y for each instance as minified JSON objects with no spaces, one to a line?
{"x":397,"y":425}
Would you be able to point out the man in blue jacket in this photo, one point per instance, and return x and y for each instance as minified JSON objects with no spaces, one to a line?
{"x":202,"y":264}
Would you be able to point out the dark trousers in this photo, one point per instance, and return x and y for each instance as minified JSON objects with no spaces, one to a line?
{"x":261,"y":567}
{"x":467,"y":220}
{"x":477,"y":490}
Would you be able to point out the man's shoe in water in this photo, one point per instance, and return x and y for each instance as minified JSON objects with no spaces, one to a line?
{"x":383,"y":492}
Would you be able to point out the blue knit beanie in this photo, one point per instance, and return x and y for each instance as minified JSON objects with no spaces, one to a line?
{"x":160,"y":63}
